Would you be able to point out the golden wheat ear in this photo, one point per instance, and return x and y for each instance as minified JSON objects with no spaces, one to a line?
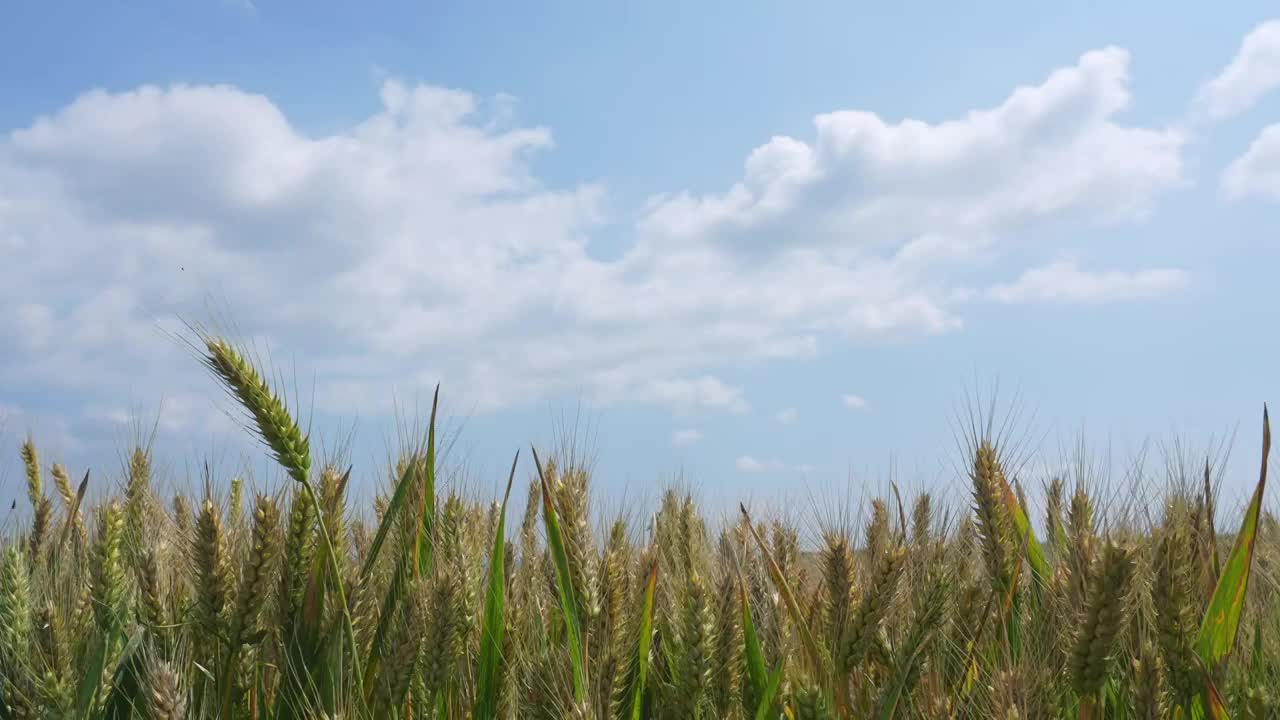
{"x":164,"y":694}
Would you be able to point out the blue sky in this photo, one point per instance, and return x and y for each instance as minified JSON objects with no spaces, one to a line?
{"x":766,"y":247}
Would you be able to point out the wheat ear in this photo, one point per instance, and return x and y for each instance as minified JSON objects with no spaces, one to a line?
{"x":292,"y":449}
{"x":1104,"y":615}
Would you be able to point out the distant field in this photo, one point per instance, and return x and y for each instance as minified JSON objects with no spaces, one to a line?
{"x":289,"y":606}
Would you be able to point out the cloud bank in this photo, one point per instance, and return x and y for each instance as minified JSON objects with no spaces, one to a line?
{"x":418,"y":245}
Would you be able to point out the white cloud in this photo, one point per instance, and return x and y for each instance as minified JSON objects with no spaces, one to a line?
{"x":701,"y":393}
{"x":787,"y":416}
{"x":753,"y":466}
{"x":417,"y":245}
{"x":1257,"y":171}
{"x":853,"y":402}
{"x":1251,"y":74}
{"x":685,"y":438}
{"x":1063,"y":282}
{"x":1047,"y":151}
{"x":409,"y":235}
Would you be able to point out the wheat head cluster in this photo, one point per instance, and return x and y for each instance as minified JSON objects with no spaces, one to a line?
{"x":293,"y":604}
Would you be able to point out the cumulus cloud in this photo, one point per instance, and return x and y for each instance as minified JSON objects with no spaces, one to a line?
{"x":853,"y":402}
{"x":685,"y":438}
{"x":701,"y":393}
{"x":1064,"y":282}
{"x":1251,"y":74}
{"x":417,"y":245}
{"x":1256,"y":173}
{"x":787,"y":416}
{"x":1047,"y":151}
{"x":412,"y":234}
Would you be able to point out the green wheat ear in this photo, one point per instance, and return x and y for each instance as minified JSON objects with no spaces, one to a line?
{"x":31,"y":465}
{"x":292,"y":449}
{"x":15,"y":608}
{"x":1104,"y":615}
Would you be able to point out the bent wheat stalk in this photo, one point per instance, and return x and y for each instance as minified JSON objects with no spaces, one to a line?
{"x":291,"y":448}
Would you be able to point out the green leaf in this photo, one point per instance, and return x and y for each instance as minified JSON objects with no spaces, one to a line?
{"x":1217,"y":707}
{"x":1221,"y":623}
{"x":564,"y":587}
{"x":1035,"y":552}
{"x":101,"y":648}
{"x":386,"y":616}
{"x":407,"y":480}
{"x":770,"y":695}
{"x":126,"y":683}
{"x":1209,"y":703}
{"x":329,"y":676}
{"x":757,"y":674}
{"x":427,"y":512}
{"x":312,"y":615}
{"x":491,"y":664}
{"x":91,"y":677}
{"x":391,"y":602}
{"x":645,"y":641}
{"x":1222,"y":618}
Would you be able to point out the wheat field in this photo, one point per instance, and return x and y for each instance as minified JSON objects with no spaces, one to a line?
{"x":291,"y":604}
